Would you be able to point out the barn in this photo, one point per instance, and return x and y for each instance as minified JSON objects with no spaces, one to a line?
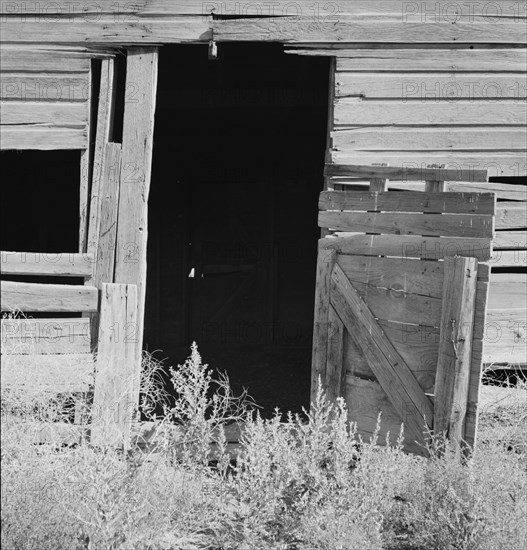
{"x":308,"y":190}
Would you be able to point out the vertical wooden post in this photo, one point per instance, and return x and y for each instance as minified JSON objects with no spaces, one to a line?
{"x":330,"y":125}
{"x":325,"y":261}
{"x":435,"y":186}
{"x":105,"y":113}
{"x":455,"y":347}
{"x":379,"y":185}
{"x":335,"y":371}
{"x":136,"y":160}
{"x":84,"y":192}
{"x":117,"y":373}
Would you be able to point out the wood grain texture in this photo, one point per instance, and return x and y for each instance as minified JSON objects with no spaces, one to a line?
{"x":136,"y":160}
{"x":455,"y":347}
{"x":35,"y":297}
{"x":325,"y":262}
{"x":105,"y":116}
{"x":507,"y":291}
{"x":305,"y":29}
{"x":400,"y":275}
{"x":36,"y":59}
{"x":49,"y":373}
{"x":43,"y":87}
{"x":505,"y":336}
{"x":432,"y":86}
{"x":509,"y":258}
{"x":431,"y":60}
{"x":45,"y":336}
{"x":394,"y":375}
{"x":42,"y":138}
{"x":430,"y":138}
{"x":502,"y":190}
{"x":417,"y":345}
{"x":511,"y":215}
{"x":512,"y":240}
{"x":118,"y":370}
{"x":63,"y":264}
{"x":352,"y":111}
{"x":406,"y":172}
{"x":405,"y":223}
{"x":496,"y":164}
{"x":61,"y":114}
{"x":365,"y":399}
{"x":107,"y":31}
{"x":335,"y":370}
{"x":411,"y":246}
{"x":453,"y":203}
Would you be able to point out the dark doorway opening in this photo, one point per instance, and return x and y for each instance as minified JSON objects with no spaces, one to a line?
{"x":238,"y":163}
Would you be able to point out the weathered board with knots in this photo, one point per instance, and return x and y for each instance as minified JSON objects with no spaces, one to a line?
{"x":399,"y":315}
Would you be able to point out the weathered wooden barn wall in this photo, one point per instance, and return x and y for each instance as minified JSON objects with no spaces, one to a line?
{"x":415,"y":83}
{"x":45,"y":95}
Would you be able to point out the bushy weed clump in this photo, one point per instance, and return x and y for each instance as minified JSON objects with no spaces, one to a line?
{"x":304,"y":482}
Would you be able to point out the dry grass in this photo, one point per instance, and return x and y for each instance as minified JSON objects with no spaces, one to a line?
{"x":300,"y":483}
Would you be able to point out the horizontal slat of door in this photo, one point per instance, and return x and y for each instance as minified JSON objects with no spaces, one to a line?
{"x":400,"y":275}
{"x":407,"y":202}
{"x":38,"y":263}
{"x":432,"y":248}
{"x":430,"y":138}
{"x":54,"y":373}
{"x":46,"y":336}
{"x":448,"y":225}
{"x":34,"y":297}
{"x":497,"y":164}
{"x":503,"y":190}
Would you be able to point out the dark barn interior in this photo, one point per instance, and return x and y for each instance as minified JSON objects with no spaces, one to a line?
{"x":237,"y":168}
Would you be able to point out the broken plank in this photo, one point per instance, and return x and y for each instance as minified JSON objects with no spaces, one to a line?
{"x":35,"y":297}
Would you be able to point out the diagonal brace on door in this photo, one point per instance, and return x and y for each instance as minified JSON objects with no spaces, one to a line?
{"x":392,"y":372}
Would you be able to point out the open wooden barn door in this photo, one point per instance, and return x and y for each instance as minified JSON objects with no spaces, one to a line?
{"x":400,"y":309}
